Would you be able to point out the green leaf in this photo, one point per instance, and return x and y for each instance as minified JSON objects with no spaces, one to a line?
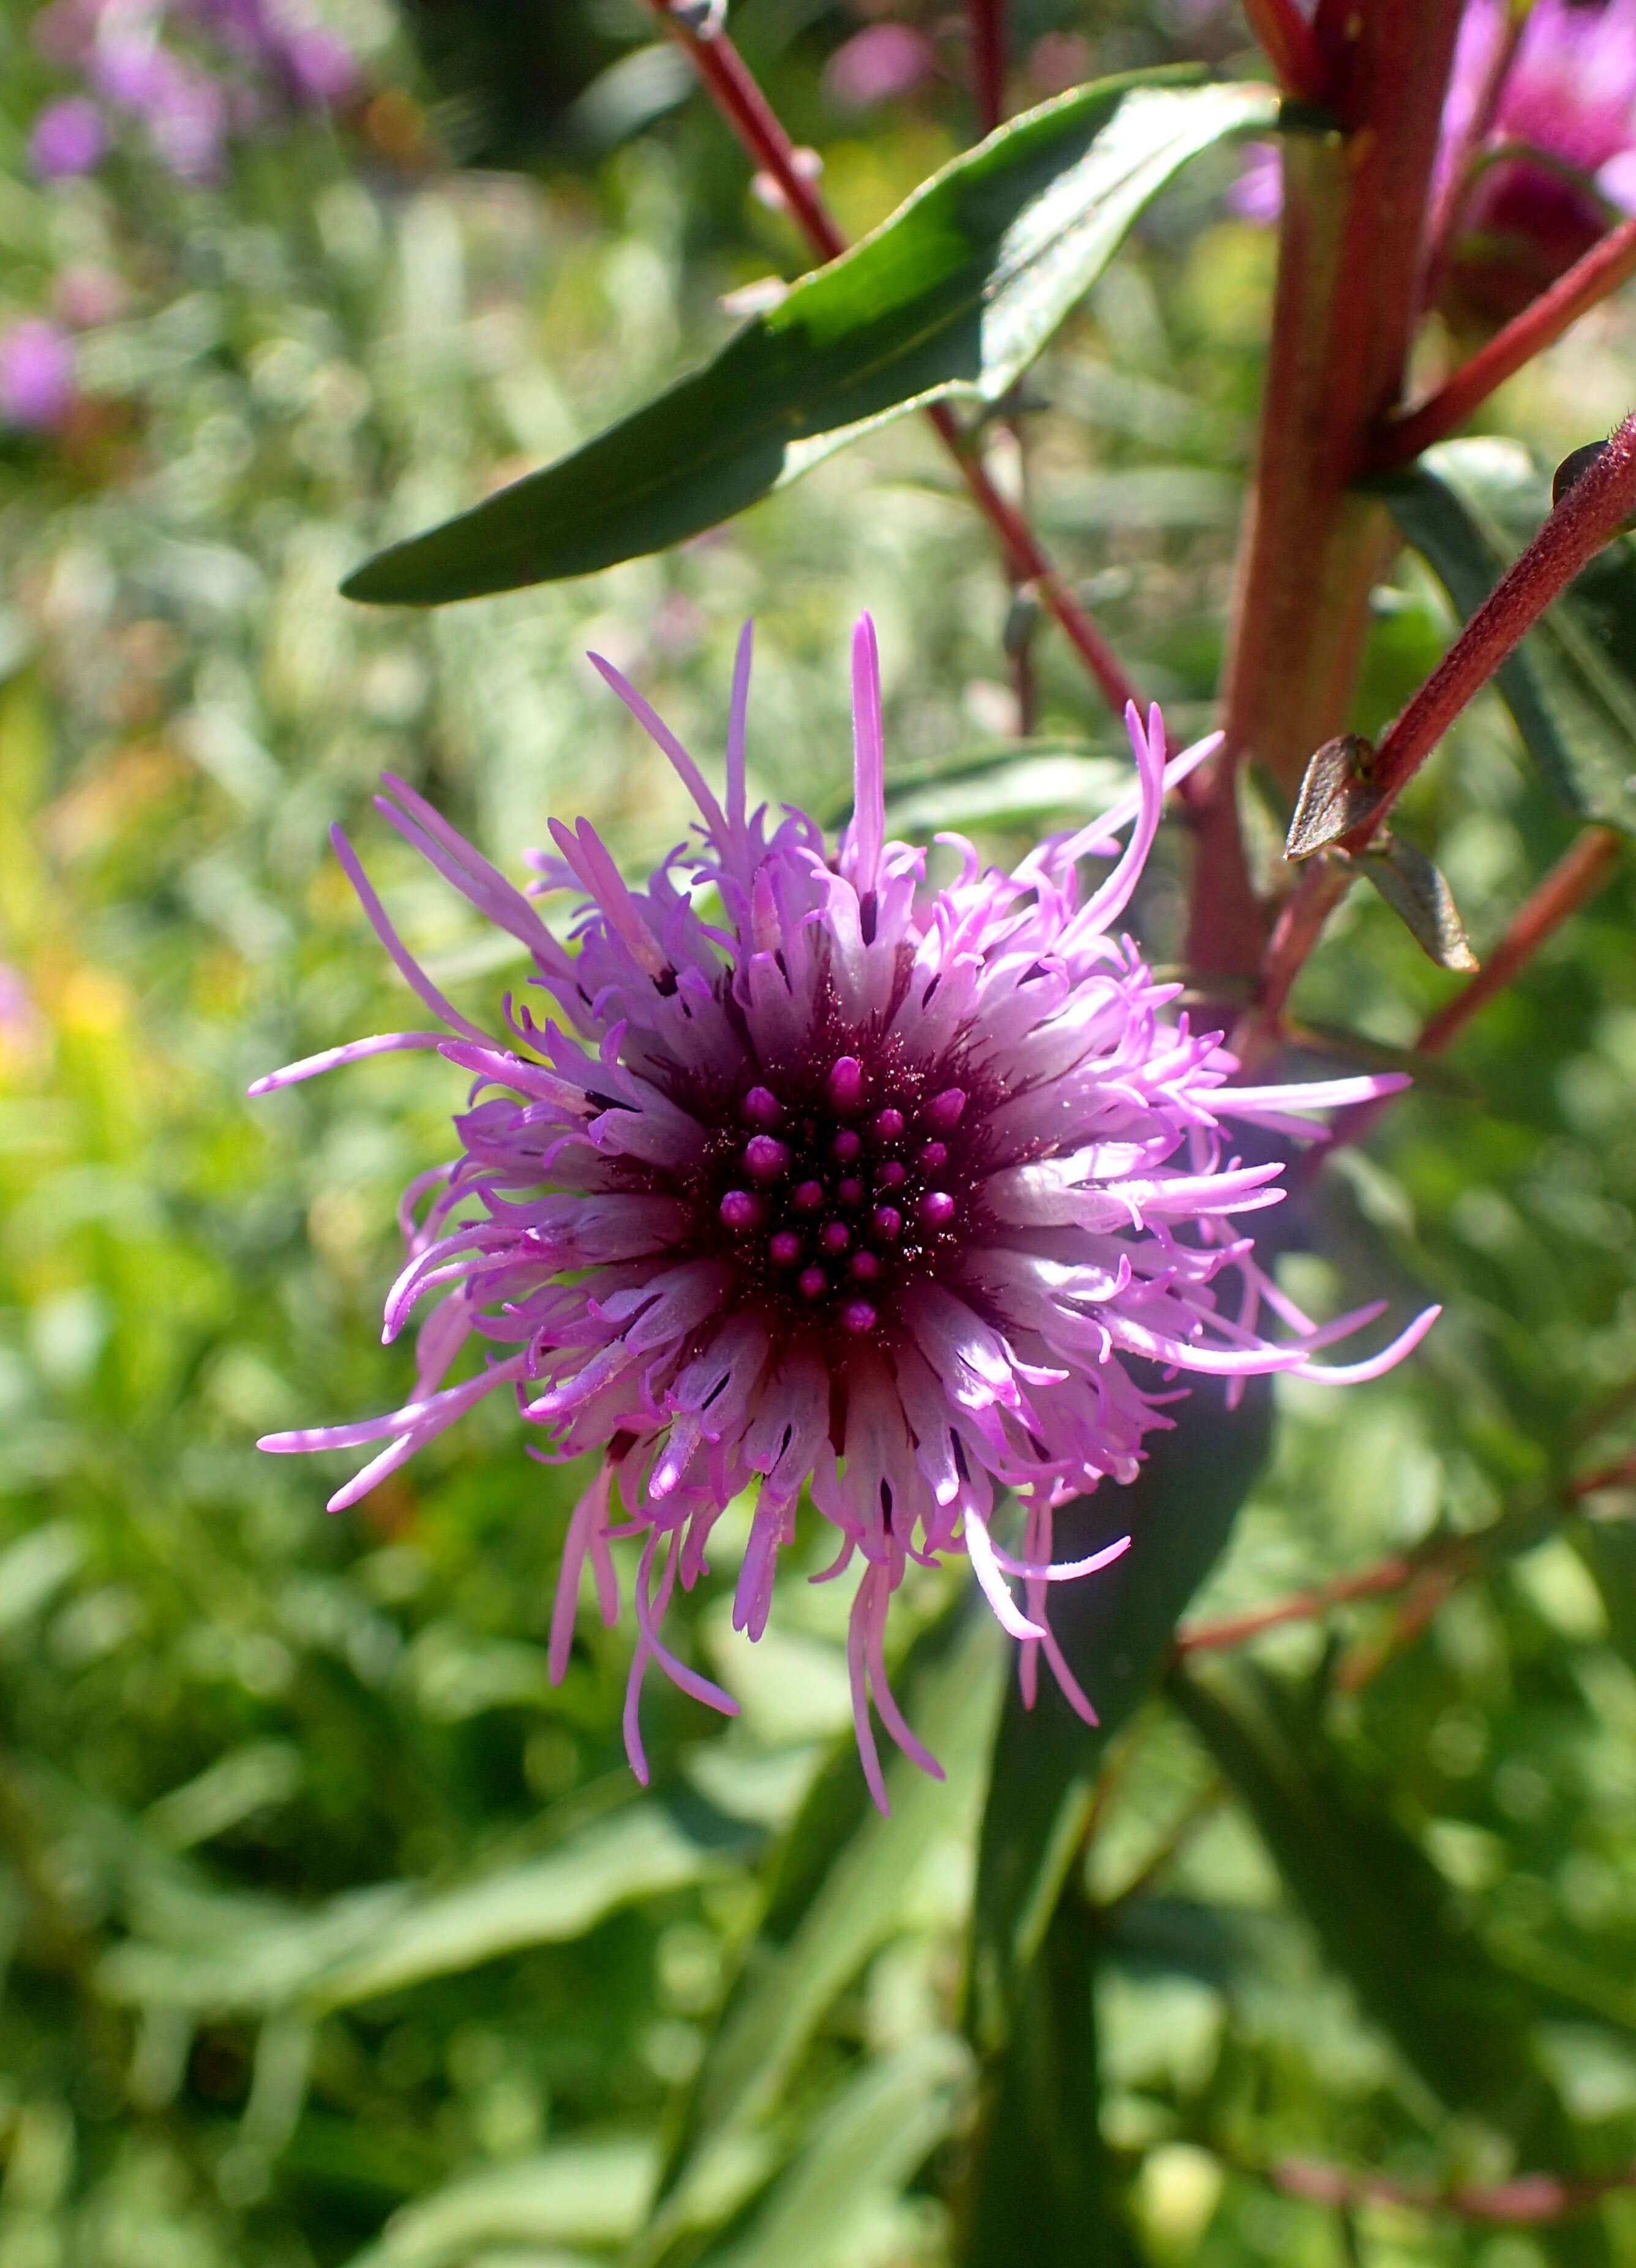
{"x":839,"y":1888}
{"x":591,"y":2192}
{"x":1421,"y":899}
{"x":864,"y":2147}
{"x":954,"y":295}
{"x":1468,"y":507}
{"x":1115,"y":1630}
{"x":208,"y":1952}
{"x":1387,"y":1920}
{"x":1040,"y":2194}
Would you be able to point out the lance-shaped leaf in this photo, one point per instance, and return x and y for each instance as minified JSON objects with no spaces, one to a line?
{"x":1468,"y":507}
{"x":1386,"y":1917}
{"x":1115,"y":1630}
{"x":1040,"y":2196}
{"x":1422,"y":900}
{"x":955,"y":294}
{"x":838,"y":1888}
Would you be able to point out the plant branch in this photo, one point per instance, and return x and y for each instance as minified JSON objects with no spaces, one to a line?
{"x":1324,"y":882}
{"x":1401,"y":437}
{"x":1285,"y":36}
{"x":1589,"y":515}
{"x":1458,"y":1553}
{"x":987,"y":21}
{"x":1526,"y":2199}
{"x":731,"y":85}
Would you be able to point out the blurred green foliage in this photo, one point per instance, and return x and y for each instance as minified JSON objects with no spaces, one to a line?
{"x":332,"y":1933}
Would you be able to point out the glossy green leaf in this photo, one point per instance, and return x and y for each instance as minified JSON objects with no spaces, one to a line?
{"x":954,"y":296}
{"x":1115,"y":1630}
{"x":1469,"y":507}
{"x":200,"y":1950}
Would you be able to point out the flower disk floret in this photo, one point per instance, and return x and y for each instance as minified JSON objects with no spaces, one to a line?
{"x":853,"y":1187}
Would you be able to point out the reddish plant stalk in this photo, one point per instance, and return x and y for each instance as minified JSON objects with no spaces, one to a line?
{"x":1394,"y":1574}
{"x":1456,"y":182}
{"x":1589,"y":514}
{"x":1324,"y":883}
{"x":1287,"y":41}
{"x":729,"y":83}
{"x":1344,"y":308}
{"x":1525,"y":2200}
{"x":1592,"y":277}
{"x":987,"y":22}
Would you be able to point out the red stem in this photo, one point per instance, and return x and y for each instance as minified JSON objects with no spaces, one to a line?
{"x":1525,"y":2200}
{"x":728,"y":79}
{"x":1592,"y":277}
{"x":987,"y":19}
{"x":1589,"y":515}
{"x":1344,"y":311}
{"x":1393,"y":1574}
{"x":1457,"y":161}
{"x":1583,"y":867}
{"x":1286,"y":36}
{"x":1324,"y":883}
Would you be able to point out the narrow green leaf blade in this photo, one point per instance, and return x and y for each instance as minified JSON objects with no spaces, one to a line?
{"x":1040,"y":2197}
{"x":1468,"y":507}
{"x":1384,"y":1913}
{"x":839,"y":1889}
{"x":1115,"y":1630}
{"x":954,"y":294}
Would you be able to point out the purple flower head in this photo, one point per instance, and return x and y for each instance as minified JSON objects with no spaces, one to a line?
{"x":814,"y":1177}
{"x":67,"y":139}
{"x":36,"y":375}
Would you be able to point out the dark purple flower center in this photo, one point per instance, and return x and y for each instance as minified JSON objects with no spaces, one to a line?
{"x":830,"y":1187}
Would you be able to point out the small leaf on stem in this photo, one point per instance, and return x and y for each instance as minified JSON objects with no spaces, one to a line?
{"x":1337,"y":794}
{"x":1422,"y":900}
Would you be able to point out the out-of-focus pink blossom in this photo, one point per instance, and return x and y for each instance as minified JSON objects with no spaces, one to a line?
{"x":1057,"y":60}
{"x":824,"y":1180}
{"x":36,"y":375}
{"x":882,"y":63}
{"x":84,"y":297}
{"x":194,"y":73}
{"x":67,"y":139}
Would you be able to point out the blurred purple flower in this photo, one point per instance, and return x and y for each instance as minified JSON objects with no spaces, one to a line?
{"x":184,"y":108}
{"x":882,"y":63}
{"x":321,"y":67}
{"x":36,"y":375}
{"x":839,"y":1185}
{"x":243,"y":62}
{"x":67,"y":139}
